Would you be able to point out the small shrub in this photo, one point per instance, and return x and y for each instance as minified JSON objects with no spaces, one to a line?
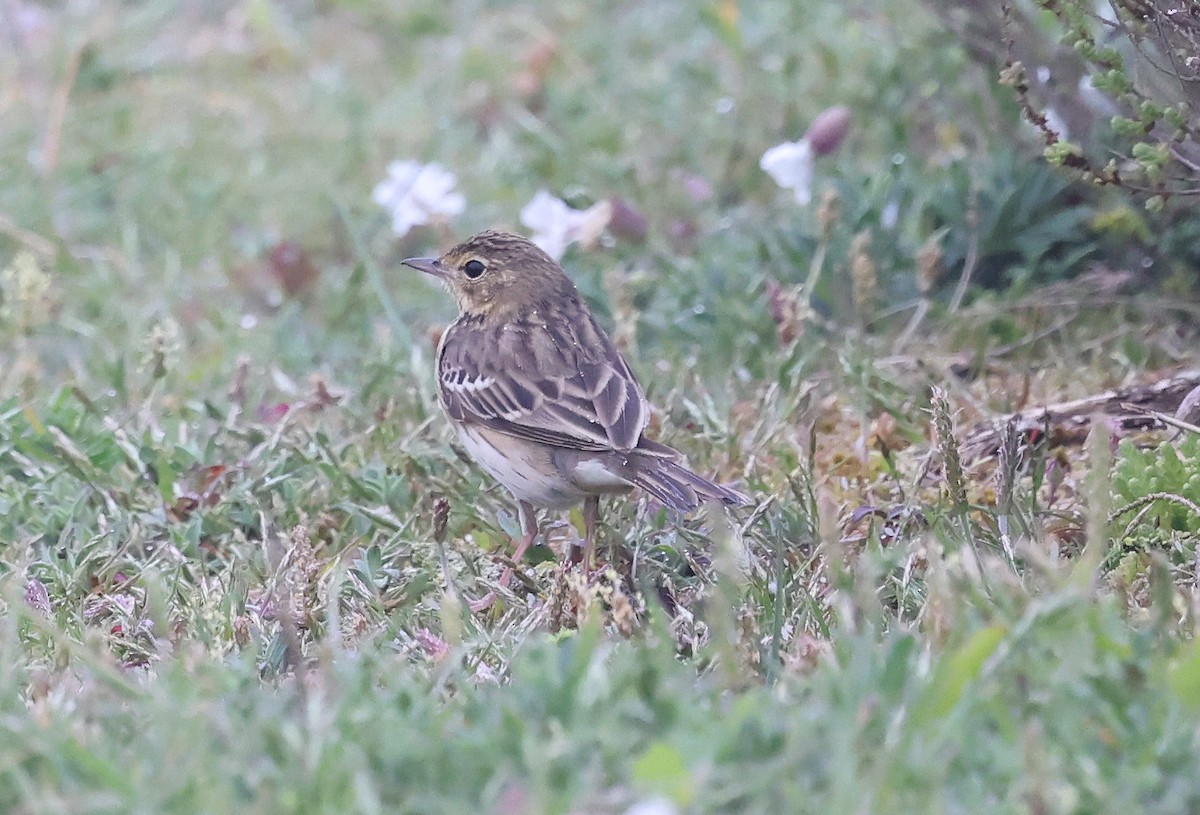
{"x":1172,"y":468}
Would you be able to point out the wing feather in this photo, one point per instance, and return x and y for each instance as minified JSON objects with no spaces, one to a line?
{"x":563,"y":384}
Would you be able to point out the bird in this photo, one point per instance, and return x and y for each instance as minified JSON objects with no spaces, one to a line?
{"x":540,"y":397}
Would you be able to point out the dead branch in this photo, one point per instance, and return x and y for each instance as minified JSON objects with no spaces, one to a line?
{"x":1068,"y":422}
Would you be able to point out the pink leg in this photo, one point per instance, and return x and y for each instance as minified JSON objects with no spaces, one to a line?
{"x":591,"y":511}
{"x":529,"y":526}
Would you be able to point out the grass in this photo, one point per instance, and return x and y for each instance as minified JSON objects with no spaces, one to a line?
{"x":237,"y":542}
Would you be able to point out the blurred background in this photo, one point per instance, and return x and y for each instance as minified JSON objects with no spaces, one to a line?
{"x":214,"y":162}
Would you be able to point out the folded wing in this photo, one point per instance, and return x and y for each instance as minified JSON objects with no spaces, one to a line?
{"x":563,"y":384}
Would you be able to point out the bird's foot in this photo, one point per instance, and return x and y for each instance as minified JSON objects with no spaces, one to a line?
{"x":483,"y":603}
{"x":577,"y":558}
{"x":488,"y":600}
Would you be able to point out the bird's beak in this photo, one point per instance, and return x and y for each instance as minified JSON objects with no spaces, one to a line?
{"x":431,"y":266}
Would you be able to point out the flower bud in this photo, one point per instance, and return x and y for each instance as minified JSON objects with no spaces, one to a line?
{"x":626,"y":222}
{"x":292,"y":267}
{"x":828,"y":129}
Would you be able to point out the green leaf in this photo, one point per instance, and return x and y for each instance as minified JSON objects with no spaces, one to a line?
{"x":166,"y":476}
{"x":955,"y":671}
{"x":661,"y":769}
{"x":1183,"y":676}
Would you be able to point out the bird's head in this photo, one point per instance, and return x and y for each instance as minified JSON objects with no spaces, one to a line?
{"x":496,"y":273}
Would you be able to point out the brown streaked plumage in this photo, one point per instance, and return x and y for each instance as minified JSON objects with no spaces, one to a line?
{"x":538,"y":393}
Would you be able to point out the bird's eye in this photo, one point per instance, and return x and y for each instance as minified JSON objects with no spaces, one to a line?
{"x":473,"y":268}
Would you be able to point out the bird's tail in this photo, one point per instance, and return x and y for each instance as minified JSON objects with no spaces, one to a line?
{"x":679,"y":488}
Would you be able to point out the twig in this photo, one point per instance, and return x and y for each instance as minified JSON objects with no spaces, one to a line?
{"x":57,"y":116}
{"x":1178,"y":156}
{"x":972,"y":258}
{"x":909,"y":330}
{"x":1150,"y":499}
{"x":1165,"y":418}
{"x":1137,"y":519}
{"x":1070,"y":419}
{"x":814,"y":272}
{"x":1058,"y":325}
{"x":517,"y":570}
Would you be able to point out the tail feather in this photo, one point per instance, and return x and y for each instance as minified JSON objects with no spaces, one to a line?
{"x":679,"y":488}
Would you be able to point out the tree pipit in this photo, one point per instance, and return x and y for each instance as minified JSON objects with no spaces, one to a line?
{"x":540,"y":397}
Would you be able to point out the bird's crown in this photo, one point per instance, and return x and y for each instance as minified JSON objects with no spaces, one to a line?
{"x":495,"y":273}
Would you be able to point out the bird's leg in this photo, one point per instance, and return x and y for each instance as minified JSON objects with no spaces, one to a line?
{"x":591,"y":511}
{"x":529,"y":526}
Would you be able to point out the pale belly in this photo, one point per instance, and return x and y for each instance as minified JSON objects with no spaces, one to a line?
{"x":531,"y":473}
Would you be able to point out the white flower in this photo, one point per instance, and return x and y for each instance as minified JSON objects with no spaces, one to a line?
{"x":415,"y":194}
{"x":556,"y":226}
{"x":790,"y":165}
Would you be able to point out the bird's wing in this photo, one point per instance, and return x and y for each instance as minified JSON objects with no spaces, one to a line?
{"x":561,"y":383}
